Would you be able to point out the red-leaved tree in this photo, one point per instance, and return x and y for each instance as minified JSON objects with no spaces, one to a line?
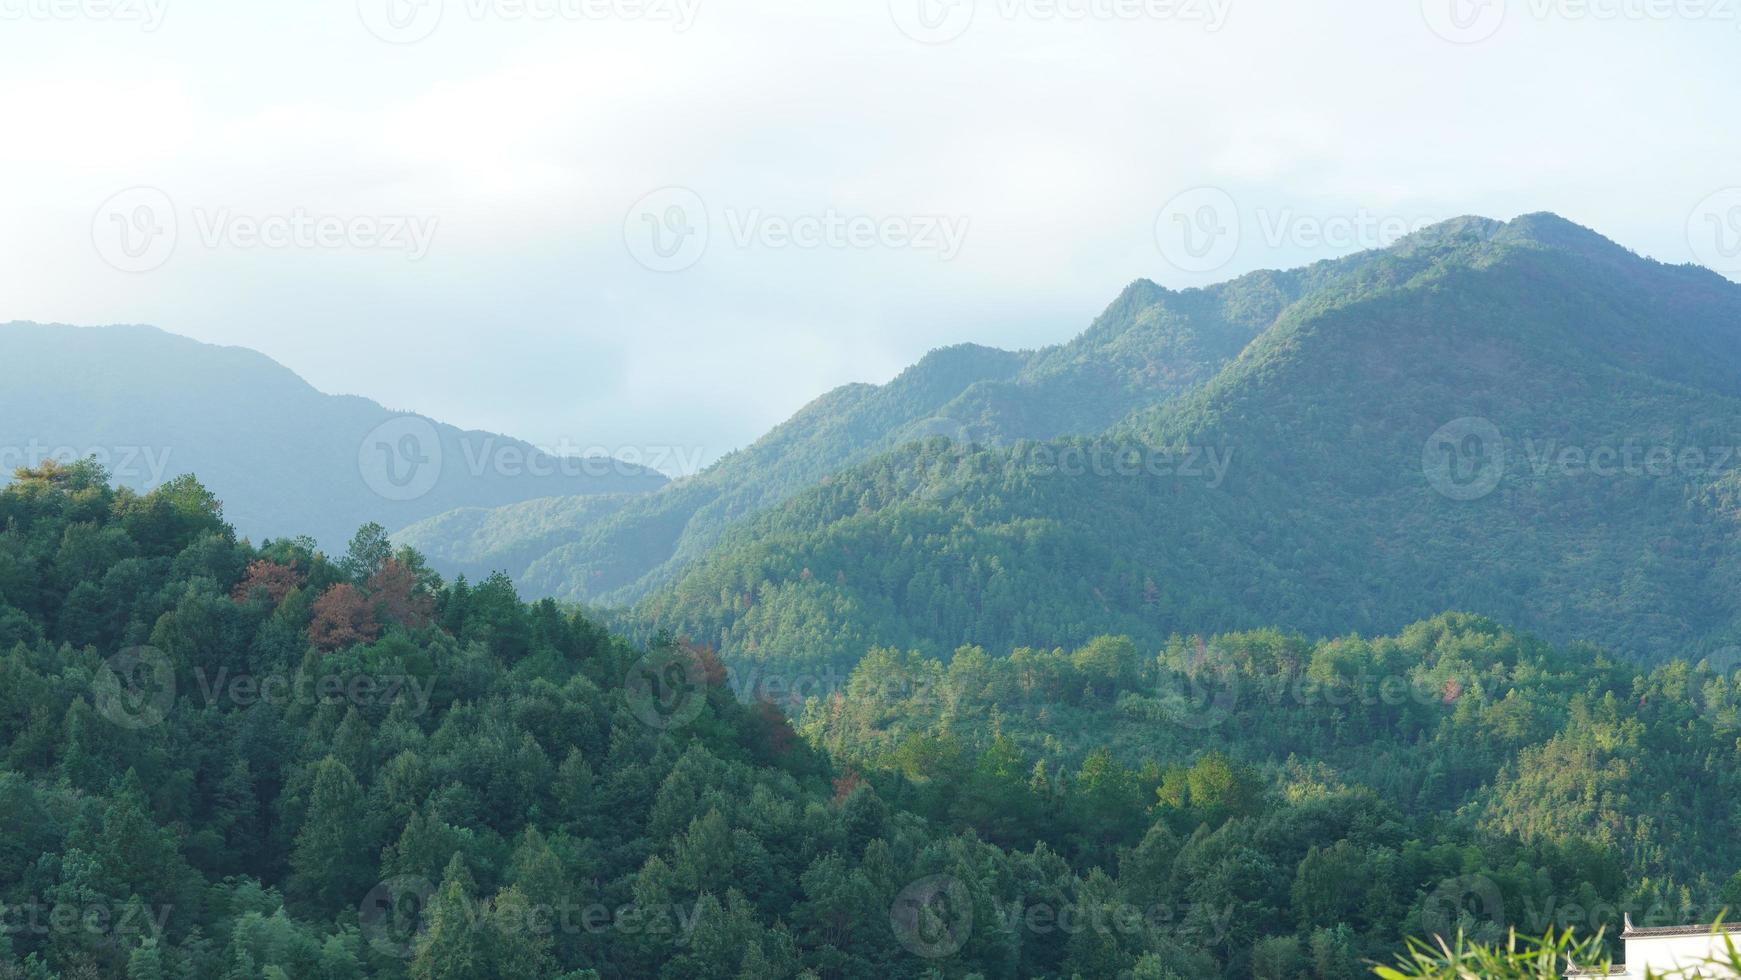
{"x":342,"y":618}
{"x":395,"y":598}
{"x":270,"y":577}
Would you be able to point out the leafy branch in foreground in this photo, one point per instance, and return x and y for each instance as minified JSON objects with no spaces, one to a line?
{"x":1547,"y":958}
{"x":1519,"y":959}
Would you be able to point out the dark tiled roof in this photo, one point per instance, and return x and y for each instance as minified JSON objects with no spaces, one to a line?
{"x":1633,"y":932}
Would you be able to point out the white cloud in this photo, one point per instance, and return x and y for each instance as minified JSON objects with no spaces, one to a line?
{"x":1057,"y":141}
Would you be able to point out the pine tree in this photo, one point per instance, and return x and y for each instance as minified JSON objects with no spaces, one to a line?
{"x":146,"y":962}
{"x":332,"y":860}
{"x":453,"y":946}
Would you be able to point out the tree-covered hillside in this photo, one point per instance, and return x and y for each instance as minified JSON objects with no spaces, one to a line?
{"x":1147,"y":347}
{"x":226,"y":761}
{"x":1455,"y":720}
{"x":1523,"y":420}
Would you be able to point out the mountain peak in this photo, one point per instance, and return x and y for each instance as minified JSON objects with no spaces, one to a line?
{"x":1552,"y":231}
{"x":1468,"y":227}
{"x":961,"y":364}
{"x":1539,"y":228}
{"x":1140,"y":294}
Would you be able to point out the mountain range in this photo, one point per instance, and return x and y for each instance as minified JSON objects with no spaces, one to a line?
{"x":1518,"y":419}
{"x":1522,"y":420}
{"x":1148,"y":346}
{"x":284,"y":457}
{"x":1098,"y":660}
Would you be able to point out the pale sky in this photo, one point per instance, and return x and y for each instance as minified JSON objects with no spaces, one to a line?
{"x":463,"y":223}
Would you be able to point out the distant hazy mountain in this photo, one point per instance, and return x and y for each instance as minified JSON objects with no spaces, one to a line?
{"x":1522,"y":420}
{"x":1148,"y":346}
{"x":284,"y":458}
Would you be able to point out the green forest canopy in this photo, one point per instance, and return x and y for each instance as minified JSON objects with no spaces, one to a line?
{"x":228,"y":760}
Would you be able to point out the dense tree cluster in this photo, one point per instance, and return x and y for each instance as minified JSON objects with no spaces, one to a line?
{"x":202,"y":779}
{"x":1458,"y":776}
{"x":224,"y":760}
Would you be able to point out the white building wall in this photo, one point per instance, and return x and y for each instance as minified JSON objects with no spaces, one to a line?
{"x":1666,"y":954}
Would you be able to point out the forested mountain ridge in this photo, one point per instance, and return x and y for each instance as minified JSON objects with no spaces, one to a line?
{"x":1453,"y":715}
{"x":286,"y":458}
{"x":570,"y":549}
{"x":1456,"y":729}
{"x":1148,"y":346}
{"x":1519,"y":419}
{"x":221,"y":760}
